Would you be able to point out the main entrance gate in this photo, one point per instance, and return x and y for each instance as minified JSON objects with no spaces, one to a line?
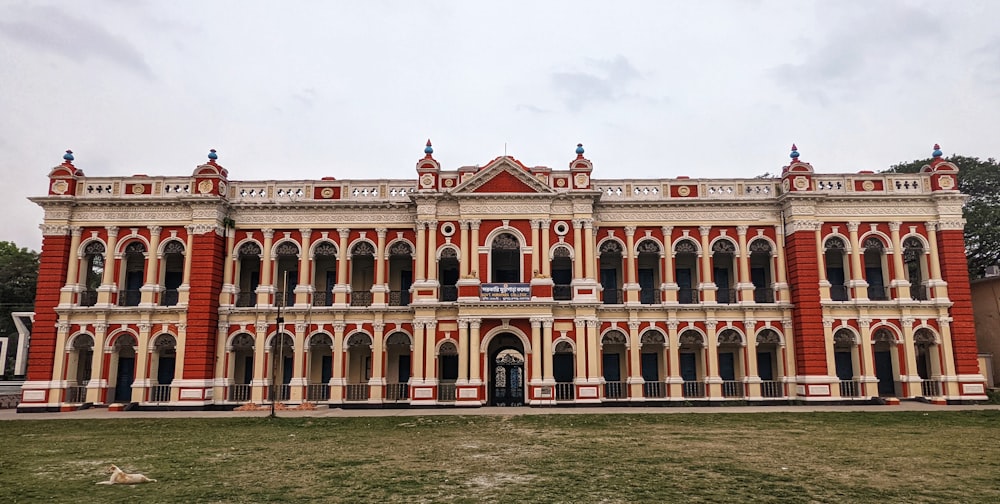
{"x":506,"y":371}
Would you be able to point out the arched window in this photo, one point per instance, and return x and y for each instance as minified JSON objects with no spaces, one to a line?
{"x":362,"y":273}
{"x":724,"y":273}
{"x":649,"y":271}
{"x":81,"y":358}
{"x":760,"y":271}
{"x":325,"y":276}
{"x":249,"y":274}
{"x":163,"y":365}
{"x":611,"y":272}
{"x":287,"y":272}
{"x":241,"y":367}
{"x":686,"y":271}
{"x":173,"y":271}
{"x":562,"y":274}
{"x":448,"y":274}
{"x":613,"y":346}
{"x":92,"y":272}
{"x":653,"y":364}
{"x":400,"y":273}
{"x":769,"y":365}
{"x":692,"y":362}
{"x":320,"y":367}
{"x":133,"y":275}
{"x":847,"y":362}
{"x":875,"y":269}
{"x":836,"y":268}
{"x":505,"y":256}
{"x":916,"y":267}
{"x":397,"y":366}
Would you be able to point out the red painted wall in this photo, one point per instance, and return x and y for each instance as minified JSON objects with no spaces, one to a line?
{"x":51,"y":278}
{"x":203,"y":305}
{"x":954,"y":270}
{"x":807,"y":318}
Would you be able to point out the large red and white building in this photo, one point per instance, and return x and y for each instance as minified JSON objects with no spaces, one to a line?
{"x":501,"y":284}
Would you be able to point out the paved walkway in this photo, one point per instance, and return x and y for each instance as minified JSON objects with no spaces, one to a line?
{"x":382,"y":412}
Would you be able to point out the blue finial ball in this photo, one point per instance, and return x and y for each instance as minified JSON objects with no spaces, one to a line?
{"x":212,"y":155}
{"x":68,"y":156}
{"x":428,"y":149}
{"x":579,"y":149}
{"x":937,"y":152}
{"x":794,"y":154}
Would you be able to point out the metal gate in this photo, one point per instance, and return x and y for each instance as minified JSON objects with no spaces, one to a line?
{"x":508,"y":378}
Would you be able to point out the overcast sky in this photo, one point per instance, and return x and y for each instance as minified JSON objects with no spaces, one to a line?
{"x":302,"y":90}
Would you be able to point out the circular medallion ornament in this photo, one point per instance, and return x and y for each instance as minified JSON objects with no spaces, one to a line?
{"x":60,"y":187}
{"x":801,"y":183}
{"x":449,"y":182}
{"x":427,"y":181}
{"x":868,"y":185}
{"x":326,"y":192}
{"x":138,"y":189}
{"x":581,"y":180}
{"x":786,"y":185}
{"x":222,"y":188}
{"x":561,"y":182}
{"x":946,"y":182}
{"x":205,"y":186}
{"x":684,"y":191}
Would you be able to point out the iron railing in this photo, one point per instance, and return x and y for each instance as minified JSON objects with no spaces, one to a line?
{"x":76,"y":394}
{"x":357,"y":391}
{"x":726,"y":296}
{"x":878,"y":293}
{"x":397,"y":391}
{"x":839,"y":293}
{"x":446,"y":392}
{"x":654,"y":390}
{"x":239,"y":392}
{"x":919,"y":293}
{"x":318,"y":392}
{"x":322,"y":299}
{"x":170,"y":297}
{"x":763,"y":295}
{"x":282,"y":392}
{"x":772,"y":388}
{"x":733,"y":389}
{"x":850,"y":388}
{"x":562,"y":292}
{"x":129,"y":297}
{"x":361,"y":298}
{"x":399,"y":298}
{"x":449,"y":293}
{"x":930,"y":388}
{"x":246,"y":299}
{"x":687,"y":296}
{"x":88,"y":298}
{"x":615,"y":390}
{"x":159,"y":393}
{"x":565,"y":391}
{"x":694,"y":389}
{"x":649,"y":296}
{"x":612,"y":296}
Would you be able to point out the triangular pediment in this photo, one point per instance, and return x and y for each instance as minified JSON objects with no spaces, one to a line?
{"x":503,"y":175}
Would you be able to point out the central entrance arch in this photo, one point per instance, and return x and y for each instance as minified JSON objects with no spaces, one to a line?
{"x":506,"y":371}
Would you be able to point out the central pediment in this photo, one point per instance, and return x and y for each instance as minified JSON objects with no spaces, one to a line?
{"x":503,"y":175}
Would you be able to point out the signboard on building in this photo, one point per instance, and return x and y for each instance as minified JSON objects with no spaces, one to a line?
{"x":505,"y":292}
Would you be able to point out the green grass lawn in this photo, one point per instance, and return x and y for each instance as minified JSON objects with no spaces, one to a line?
{"x":766,"y":457}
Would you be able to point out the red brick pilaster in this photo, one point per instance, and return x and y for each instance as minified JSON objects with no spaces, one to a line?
{"x":51,"y":278}
{"x":203,"y":306}
{"x":954,"y":270}
{"x":807,"y":316}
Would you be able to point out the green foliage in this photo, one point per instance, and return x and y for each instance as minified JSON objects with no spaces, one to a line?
{"x":981,"y":181}
{"x":18,"y":275}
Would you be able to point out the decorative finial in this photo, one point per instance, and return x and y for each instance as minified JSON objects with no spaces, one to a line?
{"x":429,"y":149}
{"x":579,"y":149}
{"x":68,"y":156}
{"x":795,"y":153}
{"x":212,"y":155}
{"x":937,"y":151}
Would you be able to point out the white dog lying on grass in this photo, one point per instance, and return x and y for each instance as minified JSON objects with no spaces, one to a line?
{"x":119,"y":477}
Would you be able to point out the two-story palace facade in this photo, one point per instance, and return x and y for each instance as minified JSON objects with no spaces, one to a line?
{"x":501,"y":284}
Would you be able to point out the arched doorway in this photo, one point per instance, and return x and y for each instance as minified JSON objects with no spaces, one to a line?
{"x":124,"y":372}
{"x":506,"y":386}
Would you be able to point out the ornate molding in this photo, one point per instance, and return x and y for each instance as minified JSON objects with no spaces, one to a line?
{"x":55,"y":229}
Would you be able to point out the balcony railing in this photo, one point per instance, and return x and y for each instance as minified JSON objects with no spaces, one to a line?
{"x":562,"y":292}
{"x":246,"y":299}
{"x":930,"y":388}
{"x":397,"y":391}
{"x":129,"y":297}
{"x":399,"y":298}
{"x":694,"y":389}
{"x":284,"y":298}
{"x":654,"y":390}
{"x":449,"y":293}
{"x":322,"y":299}
{"x":159,"y":393}
{"x":239,"y":392}
{"x":612,"y":296}
{"x":733,"y":389}
{"x":772,"y":388}
{"x":919,"y":293}
{"x":615,"y":390}
{"x":76,"y":394}
{"x":316,"y":392}
{"x":565,"y":391}
{"x":88,"y":298}
{"x":361,"y":298}
{"x":726,"y":296}
{"x":170,"y":297}
{"x":357,"y":391}
{"x":282,"y":392}
{"x":839,"y":293}
{"x":878,"y":293}
{"x":446,"y":392}
{"x":687,"y":296}
{"x":649,"y":296}
{"x":850,"y":388}
{"x":763,"y":295}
